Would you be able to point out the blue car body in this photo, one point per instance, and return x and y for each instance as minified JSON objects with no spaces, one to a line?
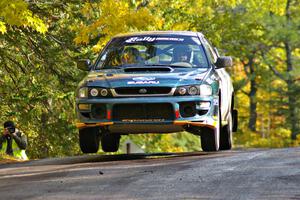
{"x":155,"y":95}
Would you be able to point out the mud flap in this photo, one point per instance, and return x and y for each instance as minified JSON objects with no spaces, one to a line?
{"x":234,"y":120}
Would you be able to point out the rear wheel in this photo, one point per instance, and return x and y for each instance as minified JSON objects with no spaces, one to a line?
{"x":110,"y":142}
{"x":89,"y":139}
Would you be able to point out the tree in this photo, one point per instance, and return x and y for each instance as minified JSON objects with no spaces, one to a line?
{"x":16,"y":13}
{"x":283,"y":35}
{"x":105,"y":19}
{"x":39,"y":79}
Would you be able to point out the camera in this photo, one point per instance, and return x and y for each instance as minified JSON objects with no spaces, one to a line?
{"x":11,"y":129}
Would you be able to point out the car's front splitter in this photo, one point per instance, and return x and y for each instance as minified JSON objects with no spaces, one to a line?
{"x":167,"y":127}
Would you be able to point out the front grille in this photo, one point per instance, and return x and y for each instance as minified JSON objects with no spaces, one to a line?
{"x":142,"y":90}
{"x":149,"y":111}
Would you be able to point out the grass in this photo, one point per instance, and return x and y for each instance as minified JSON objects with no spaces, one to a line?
{"x":7,"y":159}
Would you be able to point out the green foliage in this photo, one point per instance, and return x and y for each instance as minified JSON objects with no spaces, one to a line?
{"x":179,"y":142}
{"x":107,"y":18}
{"x":38,"y":79}
{"x":16,"y":13}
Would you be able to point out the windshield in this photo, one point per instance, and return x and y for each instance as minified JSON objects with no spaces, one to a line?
{"x":142,"y":51}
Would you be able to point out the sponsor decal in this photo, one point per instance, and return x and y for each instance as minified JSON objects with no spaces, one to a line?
{"x":142,"y":82}
{"x":144,"y":78}
{"x":140,"y":39}
{"x":152,"y":39}
{"x":216,"y":102}
{"x":143,"y":120}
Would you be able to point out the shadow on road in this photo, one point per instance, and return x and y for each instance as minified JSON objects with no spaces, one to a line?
{"x":103,"y":158}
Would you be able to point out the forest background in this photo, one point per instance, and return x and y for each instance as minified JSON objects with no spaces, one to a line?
{"x":41,"y":40}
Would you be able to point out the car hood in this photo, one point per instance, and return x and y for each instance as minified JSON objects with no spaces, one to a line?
{"x":113,"y":78}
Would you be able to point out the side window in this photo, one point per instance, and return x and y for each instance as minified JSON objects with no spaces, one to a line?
{"x":211,"y":54}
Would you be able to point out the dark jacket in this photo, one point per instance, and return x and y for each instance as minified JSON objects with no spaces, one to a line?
{"x":18,"y":136}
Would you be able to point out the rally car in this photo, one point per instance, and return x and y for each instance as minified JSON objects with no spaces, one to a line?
{"x":156,"y":82}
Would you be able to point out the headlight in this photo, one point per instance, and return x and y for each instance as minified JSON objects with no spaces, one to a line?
{"x":104,"y":92}
{"x":94,"y":92}
{"x":193,"y":90}
{"x":182,"y":90}
{"x":205,"y":90}
{"x":99,"y":92}
{"x":83,"y":92}
{"x":187,"y":90}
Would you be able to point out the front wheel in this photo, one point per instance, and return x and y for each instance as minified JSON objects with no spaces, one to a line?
{"x":110,"y":142}
{"x":226,"y":135}
{"x":210,"y":139}
{"x":89,"y":139}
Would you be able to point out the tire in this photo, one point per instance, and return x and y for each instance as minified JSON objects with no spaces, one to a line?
{"x":226,"y":135}
{"x":89,"y":140}
{"x":110,"y":142}
{"x":210,"y":137}
{"x":209,"y":140}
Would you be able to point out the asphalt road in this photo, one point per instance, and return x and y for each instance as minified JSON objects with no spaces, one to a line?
{"x":239,"y":174}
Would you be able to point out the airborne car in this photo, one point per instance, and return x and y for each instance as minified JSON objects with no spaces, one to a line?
{"x":156,"y":82}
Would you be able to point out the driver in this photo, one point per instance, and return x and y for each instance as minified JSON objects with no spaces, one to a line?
{"x":182,"y":53}
{"x":130,"y":55}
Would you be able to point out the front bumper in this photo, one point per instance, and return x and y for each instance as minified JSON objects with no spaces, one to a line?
{"x":183,"y":112}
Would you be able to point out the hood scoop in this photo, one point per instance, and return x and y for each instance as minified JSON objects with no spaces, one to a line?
{"x":148,"y":69}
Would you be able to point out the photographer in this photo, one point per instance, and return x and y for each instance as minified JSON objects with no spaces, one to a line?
{"x":13,"y":142}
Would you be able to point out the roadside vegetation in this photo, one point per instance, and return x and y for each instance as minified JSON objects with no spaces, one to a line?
{"x":41,"y":40}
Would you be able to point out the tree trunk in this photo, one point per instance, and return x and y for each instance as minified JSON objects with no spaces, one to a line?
{"x":252,"y":98}
{"x":44,"y":151}
{"x":292,"y":99}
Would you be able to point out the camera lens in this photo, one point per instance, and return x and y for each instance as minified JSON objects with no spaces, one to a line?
{"x":11,"y":129}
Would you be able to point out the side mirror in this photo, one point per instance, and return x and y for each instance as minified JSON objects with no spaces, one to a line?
{"x":223,"y":61}
{"x":84,"y":64}
{"x":216,"y":51}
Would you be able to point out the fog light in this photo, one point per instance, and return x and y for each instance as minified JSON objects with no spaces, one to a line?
{"x":84,"y":106}
{"x":204,"y":105}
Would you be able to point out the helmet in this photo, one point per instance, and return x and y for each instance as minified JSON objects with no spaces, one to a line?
{"x":182,"y":53}
{"x":130,"y":55}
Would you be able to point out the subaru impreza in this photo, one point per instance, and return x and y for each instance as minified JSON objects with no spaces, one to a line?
{"x":156,"y":82}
